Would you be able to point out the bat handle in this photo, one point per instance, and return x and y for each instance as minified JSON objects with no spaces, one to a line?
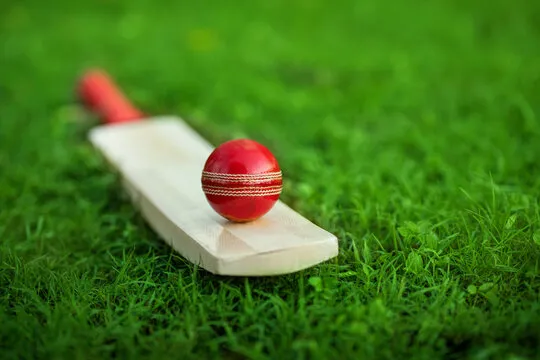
{"x":102,"y":96}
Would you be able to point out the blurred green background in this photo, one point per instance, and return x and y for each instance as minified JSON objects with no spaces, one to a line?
{"x":408,"y":129}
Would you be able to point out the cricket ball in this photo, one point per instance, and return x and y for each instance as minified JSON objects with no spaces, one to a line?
{"x":241,"y":180}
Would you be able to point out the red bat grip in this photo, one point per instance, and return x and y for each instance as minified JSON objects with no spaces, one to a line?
{"x":101,"y":95}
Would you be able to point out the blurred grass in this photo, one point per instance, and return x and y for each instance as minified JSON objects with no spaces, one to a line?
{"x":410,"y":130}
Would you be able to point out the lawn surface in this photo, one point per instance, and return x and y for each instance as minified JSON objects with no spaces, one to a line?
{"x":408,"y":129}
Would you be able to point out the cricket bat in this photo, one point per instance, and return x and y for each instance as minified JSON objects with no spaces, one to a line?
{"x":160,"y":161}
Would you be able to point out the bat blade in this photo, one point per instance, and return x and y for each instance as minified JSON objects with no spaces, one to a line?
{"x":160,"y":162}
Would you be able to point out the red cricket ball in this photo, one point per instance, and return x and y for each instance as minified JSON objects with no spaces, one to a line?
{"x":241,"y":180}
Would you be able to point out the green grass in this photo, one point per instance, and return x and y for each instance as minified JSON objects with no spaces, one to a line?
{"x":408,"y":129}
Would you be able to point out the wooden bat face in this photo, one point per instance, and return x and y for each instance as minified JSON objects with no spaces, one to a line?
{"x":161,"y":161}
